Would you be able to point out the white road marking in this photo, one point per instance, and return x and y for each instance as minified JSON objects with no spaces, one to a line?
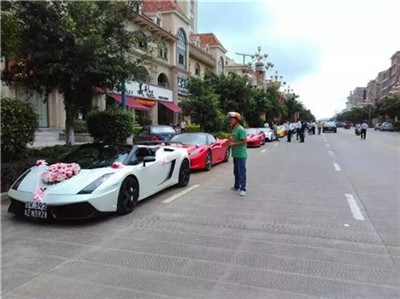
{"x":327,"y":144}
{"x":337,"y":167}
{"x":325,"y":140}
{"x":276,"y":144}
{"x":330,"y":153}
{"x":263,"y":150}
{"x":177,"y":195}
{"x":355,"y":210}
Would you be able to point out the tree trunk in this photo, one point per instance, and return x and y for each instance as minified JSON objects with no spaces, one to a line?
{"x":69,"y":120}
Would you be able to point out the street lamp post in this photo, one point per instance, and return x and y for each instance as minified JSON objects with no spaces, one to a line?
{"x":258,"y":64}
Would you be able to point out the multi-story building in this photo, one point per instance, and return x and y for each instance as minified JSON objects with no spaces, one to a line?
{"x":357,"y":97}
{"x":377,"y":89}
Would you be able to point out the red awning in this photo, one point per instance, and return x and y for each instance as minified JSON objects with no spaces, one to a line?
{"x":172,"y":106}
{"x":130,"y":102}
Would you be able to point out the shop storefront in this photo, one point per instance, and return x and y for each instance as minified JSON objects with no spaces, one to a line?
{"x":156,"y":100}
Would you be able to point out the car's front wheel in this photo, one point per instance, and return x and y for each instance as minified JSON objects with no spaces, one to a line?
{"x":128,"y":196}
{"x":184,"y":174}
{"x":227,"y":154}
{"x":208,"y":161}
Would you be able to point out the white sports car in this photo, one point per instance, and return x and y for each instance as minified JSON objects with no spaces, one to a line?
{"x":96,"y":179}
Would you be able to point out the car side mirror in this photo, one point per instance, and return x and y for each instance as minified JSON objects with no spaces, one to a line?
{"x":148,"y":159}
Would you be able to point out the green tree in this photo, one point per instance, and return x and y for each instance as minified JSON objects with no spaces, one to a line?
{"x":203,"y":106}
{"x":72,"y":46}
{"x":232,"y":90}
{"x":390,"y":107}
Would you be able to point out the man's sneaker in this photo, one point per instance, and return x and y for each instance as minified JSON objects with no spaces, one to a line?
{"x":242,"y":193}
{"x":235,"y":189}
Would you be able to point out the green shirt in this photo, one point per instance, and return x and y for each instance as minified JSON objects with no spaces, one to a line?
{"x":239,"y":151}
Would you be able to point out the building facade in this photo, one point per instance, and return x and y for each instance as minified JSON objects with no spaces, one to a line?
{"x":378,"y":89}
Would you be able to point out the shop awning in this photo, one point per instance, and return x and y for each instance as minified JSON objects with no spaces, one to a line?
{"x":172,"y":106}
{"x":130,"y":102}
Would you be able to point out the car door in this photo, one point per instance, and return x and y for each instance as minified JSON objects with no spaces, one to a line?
{"x":217,"y":150}
{"x":151,"y":175}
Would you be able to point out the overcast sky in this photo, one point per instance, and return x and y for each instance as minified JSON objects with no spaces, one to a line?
{"x":322,"y":48}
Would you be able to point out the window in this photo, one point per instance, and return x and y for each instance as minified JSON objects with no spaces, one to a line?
{"x":162,"y":52}
{"x":158,"y":19}
{"x":181,"y":48}
{"x":220,"y":66}
{"x":197,"y":69}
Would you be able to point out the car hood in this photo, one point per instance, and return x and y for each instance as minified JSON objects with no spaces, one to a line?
{"x":191,"y":147}
{"x":70,"y":186}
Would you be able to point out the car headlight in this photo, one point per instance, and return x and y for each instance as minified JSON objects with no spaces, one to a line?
{"x":20,"y":179}
{"x":195,"y":152}
{"x":96,"y":183}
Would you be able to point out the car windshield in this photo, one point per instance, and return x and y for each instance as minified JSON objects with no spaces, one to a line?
{"x":162,"y":130}
{"x":329,"y":123}
{"x":190,"y":138}
{"x":90,"y":156}
{"x":251,"y":131}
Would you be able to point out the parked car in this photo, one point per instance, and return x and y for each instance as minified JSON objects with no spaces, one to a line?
{"x":329,"y":126}
{"x":377,"y":126}
{"x":269,"y":134}
{"x":104,"y":178}
{"x":281,"y":130}
{"x":155,"y":133}
{"x":255,"y":137}
{"x":204,"y":149}
{"x":387,"y":126}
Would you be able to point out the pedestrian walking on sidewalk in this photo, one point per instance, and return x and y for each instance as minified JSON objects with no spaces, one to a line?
{"x":238,"y":143}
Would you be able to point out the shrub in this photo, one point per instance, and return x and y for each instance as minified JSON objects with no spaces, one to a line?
{"x":80,"y":126}
{"x":110,"y":126}
{"x":193,"y":128}
{"x":144,"y":120}
{"x":19,"y":122}
{"x":136,"y":130}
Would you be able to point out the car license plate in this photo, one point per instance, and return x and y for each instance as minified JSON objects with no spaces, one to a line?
{"x":35,"y":210}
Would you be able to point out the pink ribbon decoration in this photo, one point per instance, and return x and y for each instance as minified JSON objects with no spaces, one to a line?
{"x":38,"y":195}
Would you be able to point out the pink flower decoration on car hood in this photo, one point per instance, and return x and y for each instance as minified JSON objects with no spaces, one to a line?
{"x":117,"y":165}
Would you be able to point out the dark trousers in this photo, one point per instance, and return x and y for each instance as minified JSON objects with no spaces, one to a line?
{"x":319,"y":131}
{"x":363,"y":133}
{"x":302,"y":136}
{"x":239,"y":170}
{"x":298,"y":134}
{"x":289,"y":136}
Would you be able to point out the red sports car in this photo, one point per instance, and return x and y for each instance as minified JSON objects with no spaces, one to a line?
{"x":204,"y":149}
{"x":255,"y":137}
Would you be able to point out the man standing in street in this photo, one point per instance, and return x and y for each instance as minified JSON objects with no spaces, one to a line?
{"x":238,"y":143}
{"x":364,"y":127}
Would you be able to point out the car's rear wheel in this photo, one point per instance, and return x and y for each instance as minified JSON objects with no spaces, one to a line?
{"x":184,"y":174}
{"x":128,"y":196}
{"x":227,"y":154}
{"x":208,"y":163}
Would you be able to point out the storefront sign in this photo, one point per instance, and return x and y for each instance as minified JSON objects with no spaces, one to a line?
{"x":148,"y":91}
{"x":182,"y":85}
{"x":145,"y":102}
